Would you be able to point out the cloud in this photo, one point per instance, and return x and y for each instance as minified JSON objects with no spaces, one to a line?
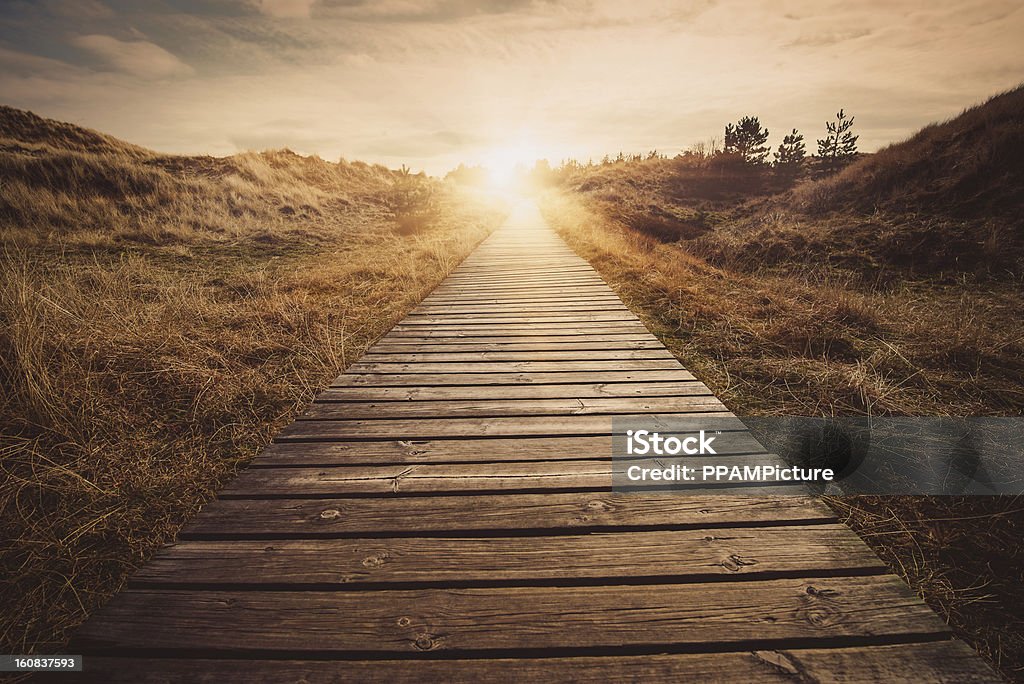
{"x":424,"y":145}
{"x":402,"y":11}
{"x":830,"y":37}
{"x":286,"y":9}
{"x":432,"y":83}
{"x":136,"y":57}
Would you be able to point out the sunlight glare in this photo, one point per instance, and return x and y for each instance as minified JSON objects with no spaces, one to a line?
{"x":505,"y":165}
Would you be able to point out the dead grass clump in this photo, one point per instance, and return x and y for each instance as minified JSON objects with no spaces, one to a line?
{"x":959,"y":553}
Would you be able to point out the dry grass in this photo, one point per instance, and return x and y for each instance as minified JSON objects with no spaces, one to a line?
{"x":968,"y":167}
{"x":160,"y":318}
{"x":947,"y":201}
{"x":820,"y":341}
{"x":962,"y":554}
{"x":813,"y":342}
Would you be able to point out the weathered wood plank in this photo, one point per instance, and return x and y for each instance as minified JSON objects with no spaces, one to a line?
{"x":514,"y":262}
{"x":556,"y":279}
{"x":511,"y":618}
{"x":951,"y":662}
{"x":508,"y":514}
{"x":461,"y":347}
{"x":567,"y":266}
{"x":498,"y":367}
{"x":509,"y":407}
{"x":430,"y":428}
{"x":468,"y":330}
{"x":312,"y":454}
{"x":589,"y":287}
{"x":569,"y":260}
{"x":518,"y":288}
{"x":581,"y":391}
{"x":612,"y":339}
{"x":575,"y":318}
{"x":427,"y":309}
{"x":492,"y":356}
{"x":502,"y":476}
{"x":669,"y":556}
{"x":493,"y":311}
{"x":542,"y":265}
{"x":470,"y":299}
{"x":506,"y":317}
{"x":425,"y":379}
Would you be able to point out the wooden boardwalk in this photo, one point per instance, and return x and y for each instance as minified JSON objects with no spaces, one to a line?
{"x":443,"y":513}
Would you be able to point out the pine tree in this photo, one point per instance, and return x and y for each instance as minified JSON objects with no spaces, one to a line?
{"x":839,"y":146}
{"x":789,"y":158}
{"x":746,"y":139}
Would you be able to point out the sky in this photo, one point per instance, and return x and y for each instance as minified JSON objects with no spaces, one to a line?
{"x":431,"y":84}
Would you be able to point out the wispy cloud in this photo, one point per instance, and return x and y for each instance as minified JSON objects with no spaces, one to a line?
{"x":286,"y":9}
{"x":136,"y":57}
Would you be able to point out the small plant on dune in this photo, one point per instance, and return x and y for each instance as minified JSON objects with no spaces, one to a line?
{"x":700,"y":153}
{"x":839,"y":146}
{"x":747,"y":140}
{"x":790,"y":157}
{"x":412,"y":201}
{"x":467,"y":175}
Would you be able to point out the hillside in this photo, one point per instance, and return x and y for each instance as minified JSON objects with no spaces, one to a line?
{"x":21,"y":130}
{"x":948,"y":200}
{"x":966,"y":168}
{"x":66,"y":183}
{"x":160,"y":317}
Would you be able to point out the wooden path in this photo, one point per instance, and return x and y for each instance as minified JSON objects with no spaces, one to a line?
{"x":443,"y":513}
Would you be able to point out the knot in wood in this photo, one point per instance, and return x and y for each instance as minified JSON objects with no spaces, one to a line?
{"x":735,"y":562}
{"x":375,"y":561}
{"x":424,"y":642}
{"x":821,"y":616}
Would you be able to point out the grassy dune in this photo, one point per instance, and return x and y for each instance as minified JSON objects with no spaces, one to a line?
{"x":160,"y":318}
{"x":787,"y":306}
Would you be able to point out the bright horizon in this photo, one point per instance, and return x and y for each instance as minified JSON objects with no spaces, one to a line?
{"x":435,"y":84}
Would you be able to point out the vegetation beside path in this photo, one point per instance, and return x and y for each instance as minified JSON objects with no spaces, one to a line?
{"x":160,"y":318}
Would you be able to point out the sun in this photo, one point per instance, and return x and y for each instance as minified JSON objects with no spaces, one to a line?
{"x":506,"y":164}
